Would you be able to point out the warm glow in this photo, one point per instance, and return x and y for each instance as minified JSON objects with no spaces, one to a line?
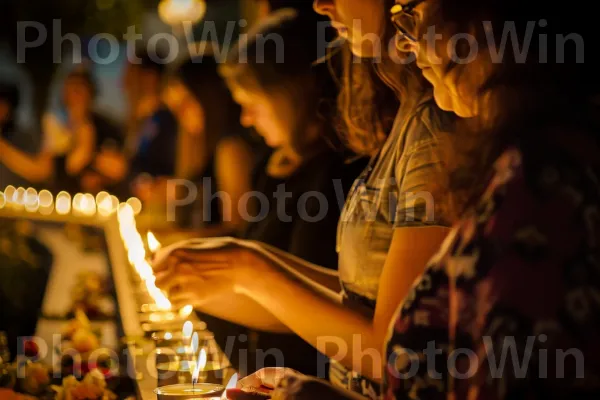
{"x":2,"y":200}
{"x":195,"y":343}
{"x":9,"y":193}
{"x":186,"y":311}
{"x":88,"y":205}
{"x":77,"y":200}
{"x":135,"y":204}
{"x":144,"y":270}
{"x":153,"y":244}
{"x":63,"y":203}
{"x":200,"y":365}
{"x":46,"y":199}
{"x":168,"y":336}
{"x":104,"y":204}
{"x":162,"y":302}
{"x":19,"y":197}
{"x":177,"y":11}
{"x":158,"y":317}
{"x":187,"y":330}
{"x":31,"y":200}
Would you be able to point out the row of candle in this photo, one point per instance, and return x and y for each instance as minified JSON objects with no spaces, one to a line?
{"x":195,"y":357}
{"x":81,"y":204}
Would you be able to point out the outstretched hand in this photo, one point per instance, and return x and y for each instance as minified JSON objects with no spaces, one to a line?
{"x":199,"y":276}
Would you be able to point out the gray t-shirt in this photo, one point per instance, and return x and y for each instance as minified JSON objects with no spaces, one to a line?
{"x":397,"y":190}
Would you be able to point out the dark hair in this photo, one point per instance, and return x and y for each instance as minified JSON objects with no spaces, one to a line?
{"x":199,"y":74}
{"x":259,"y":62}
{"x":521,"y":100}
{"x":372,"y":93}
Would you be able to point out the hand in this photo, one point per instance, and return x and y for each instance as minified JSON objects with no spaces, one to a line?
{"x":198,"y":276}
{"x":302,"y":387}
{"x":259,"y":385}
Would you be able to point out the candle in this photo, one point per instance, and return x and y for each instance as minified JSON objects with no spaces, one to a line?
{"x":63,"y":203}
{"x":188,"y":391}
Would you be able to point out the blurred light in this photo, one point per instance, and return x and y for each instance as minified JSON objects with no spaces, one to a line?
{"x":63,"y":203}
{"x":174,"y":12}
{"x":46,"y":199}
{"x":19,"y":197}
{"x":88,"y":204}
{"x":2,"y":200}
{"x":153,"y":244}
{"x":135,"y":204}
{"x":168,"y":336}
{"x":186,"y":311}
{"x":31,"y":200}
{"x":105,"y":204}
{"x":9,"y":193}
{"x":188,"y":329}
{"x":77,"y":199}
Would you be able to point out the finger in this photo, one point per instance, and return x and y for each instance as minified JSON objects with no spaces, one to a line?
{"x":169,"y":283}
{"x":204,"y":256}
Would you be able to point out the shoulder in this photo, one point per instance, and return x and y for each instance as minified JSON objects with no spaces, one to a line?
{"x":428,"y":124}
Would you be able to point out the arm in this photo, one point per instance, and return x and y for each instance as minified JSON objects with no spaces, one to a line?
{"x":295,"y":304}
{"x":34,"y":168}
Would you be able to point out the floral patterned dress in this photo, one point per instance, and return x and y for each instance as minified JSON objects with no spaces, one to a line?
{"x":510,"y":306}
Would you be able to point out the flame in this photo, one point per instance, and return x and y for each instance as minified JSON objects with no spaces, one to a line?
{"x":230,"y":385}
{"x":153,"y":244}
{"x":195,"y":342}
{"x":188,"y":327}
{"x":200,"y":364}
{"x":186,"y":311}
{"x":168,"y":336}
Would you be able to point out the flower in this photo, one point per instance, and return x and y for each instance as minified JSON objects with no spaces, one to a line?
{"x":36,"y":378}
{"x":92,"y":387}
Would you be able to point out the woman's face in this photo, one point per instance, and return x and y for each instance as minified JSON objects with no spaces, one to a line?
{"x":361,"y":22}
{"x":267,"y":114}
{"x":433,"y":58}
{"x":183,"y":104}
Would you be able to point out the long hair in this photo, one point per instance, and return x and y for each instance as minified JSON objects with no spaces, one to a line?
{"x":373,"y":91}
{"x":258,"y":63}
{"x":525,"y":93}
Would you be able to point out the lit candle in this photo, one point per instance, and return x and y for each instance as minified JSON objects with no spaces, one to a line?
{"x":135,"y":204}
{"x":153,"y":244}
{"x":63,"y":203}
{"x":31,"y":200}
{"x":46,"y":202}
{"x":199,"y":367}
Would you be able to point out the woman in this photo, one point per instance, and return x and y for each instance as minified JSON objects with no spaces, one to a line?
{"x":289,"y":105}
{"x":528,"y":244}
{"x":387,"y":231}
{"x":213,"y":150}
{"x":81,"y":149}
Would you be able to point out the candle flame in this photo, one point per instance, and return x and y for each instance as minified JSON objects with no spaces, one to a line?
{"x":232,"y":384}
{"x":153,"y":244}
{"x":199,"y":365}
{"x":195,"y":342}
{"x":186,"y":311}
{"x":188,"y":327}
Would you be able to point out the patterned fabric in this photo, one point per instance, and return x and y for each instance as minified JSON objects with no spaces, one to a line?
{"x":510,"y":306}
{"x":396,"y":190}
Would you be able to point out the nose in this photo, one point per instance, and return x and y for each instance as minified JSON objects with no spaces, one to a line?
{"x":324,"y":7}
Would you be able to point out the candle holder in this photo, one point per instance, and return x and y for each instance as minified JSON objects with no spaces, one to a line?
{"x":179,"y":372}
{"x":170,"y":326}
{"x":188,"y":391}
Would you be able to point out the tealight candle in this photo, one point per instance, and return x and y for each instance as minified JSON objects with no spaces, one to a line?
{"x":188,"y":391}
